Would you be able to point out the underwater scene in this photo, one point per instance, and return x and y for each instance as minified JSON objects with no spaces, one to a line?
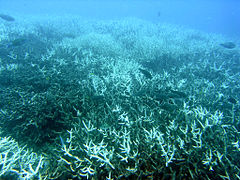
{"x":115,"y":94}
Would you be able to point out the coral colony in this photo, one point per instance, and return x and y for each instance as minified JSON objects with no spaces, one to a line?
{"x":122,"y":99}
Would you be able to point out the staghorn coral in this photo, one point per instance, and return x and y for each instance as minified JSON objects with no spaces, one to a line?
{"x":89,"y":112}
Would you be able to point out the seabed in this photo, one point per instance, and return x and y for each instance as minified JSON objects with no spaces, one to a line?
{"x":120,"y":99}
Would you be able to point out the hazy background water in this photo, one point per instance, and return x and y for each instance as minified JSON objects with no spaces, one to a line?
{"x":217,"y":16}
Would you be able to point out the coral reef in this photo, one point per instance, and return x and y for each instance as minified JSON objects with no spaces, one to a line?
{"x":122,"y":99}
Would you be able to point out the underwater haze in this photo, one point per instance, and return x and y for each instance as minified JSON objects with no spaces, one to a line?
{"x":119,"y":89}
{"x":216,"y":16}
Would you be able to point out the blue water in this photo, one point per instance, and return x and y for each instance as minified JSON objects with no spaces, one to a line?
{"x":214,"y":16}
